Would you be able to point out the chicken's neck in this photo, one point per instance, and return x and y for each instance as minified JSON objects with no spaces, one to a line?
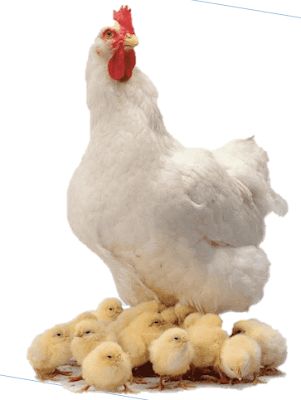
{"x":125,"y":112}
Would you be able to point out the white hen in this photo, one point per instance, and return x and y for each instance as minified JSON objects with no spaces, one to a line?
{"x":172,"y":224}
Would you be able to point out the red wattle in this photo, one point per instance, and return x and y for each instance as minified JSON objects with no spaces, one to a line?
{"x":130,"y":62}
{"x":121,"y":65}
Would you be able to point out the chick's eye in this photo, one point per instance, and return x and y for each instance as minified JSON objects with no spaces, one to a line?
{"x":176,"y":338}
{"x":58,"y":334}
{"x":110,"y":308}
{"x":109,"y":356}
{"x":87,"y":332}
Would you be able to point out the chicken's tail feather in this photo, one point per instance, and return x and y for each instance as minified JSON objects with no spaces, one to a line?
{"x":248,"y":163}
{"x":278,"y":204}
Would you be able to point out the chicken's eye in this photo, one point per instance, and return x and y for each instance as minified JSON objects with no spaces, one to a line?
{"x":110,"y":308}
{"x":87,"y":332}
{"x":58,"y":334}
{"x":176,"y":338}
{"x":109,"y":356}
{"x":108,"y":34}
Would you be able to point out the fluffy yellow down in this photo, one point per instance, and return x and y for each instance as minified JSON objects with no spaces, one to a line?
{"x":107,"y":367}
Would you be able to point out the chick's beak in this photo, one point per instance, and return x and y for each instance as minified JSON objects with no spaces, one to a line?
{"x":117,"y":359}
{"x":131,"y":40}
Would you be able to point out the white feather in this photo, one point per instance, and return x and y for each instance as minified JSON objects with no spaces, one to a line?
{"x":171,"y":223}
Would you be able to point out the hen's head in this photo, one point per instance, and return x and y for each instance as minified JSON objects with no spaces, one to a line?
{"x":116,"y":45}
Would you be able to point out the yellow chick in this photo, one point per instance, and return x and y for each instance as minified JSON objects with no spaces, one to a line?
{"x":137,"y":336}
{"x":212,"y":320}
{"x":171,"y":355}
{"x":128,"y":315}
{"x":182,"y":311}
{"x":240,"y":357}
{"x":107,"y":367}
{"x":82,"y":316}
{"x":88,"y":335}
{"x":169,"y":315}
{"x":272,"y":343}
{"x":50,"y":350}
{"x":109,"y":309}
{"x":207,"y":337}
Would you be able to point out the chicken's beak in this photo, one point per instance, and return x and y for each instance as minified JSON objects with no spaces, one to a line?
{"x":130,"y":40}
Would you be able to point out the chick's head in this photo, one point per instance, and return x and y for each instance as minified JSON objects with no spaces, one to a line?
{"x":244,"y":326}
{"x":109,"y":309}
{"x":236,"y":365}
{"x":149,"y":325}
{"x":81,"y":317}
{"x":191,"y":319}
{"x":110,"y":353}
{"x":59,"y":334}
{"x":89,"y":330}
{"x":175,"y":337}
{"x":169,"y":316}
{"x":212,"y":320}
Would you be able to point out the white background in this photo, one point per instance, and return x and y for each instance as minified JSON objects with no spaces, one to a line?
{"x":221,"y":73}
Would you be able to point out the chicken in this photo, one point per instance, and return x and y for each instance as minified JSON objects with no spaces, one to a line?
{"x":50,"y":350}
{"x":88,"y":335}
{"x":137,"y":336}
{"x":240,"y":358}
{"x":207,"y":338}
{"x":173,"y":224}
{"x":272,"y":343}
{"x":109,"y":309}
{"x":171,"y":354}
{"x":107,"y":367}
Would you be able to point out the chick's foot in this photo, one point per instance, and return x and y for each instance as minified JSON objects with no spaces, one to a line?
{"x":126,"y":389}
{"x":57,"y":372}
{"x":185,"y":384}
{"x":75,"y":378}
{"x":159,"y":386}
{"x":268,"y":371}
{"x":84,"y":388}
{"x":139,"y":381}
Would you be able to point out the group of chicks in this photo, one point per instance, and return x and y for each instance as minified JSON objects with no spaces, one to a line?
{"x":111,"y":343}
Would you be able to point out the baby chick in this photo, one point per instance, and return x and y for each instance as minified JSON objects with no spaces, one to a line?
{"x":207,"y":337}
{"x":107,"y":367}
{"x":87,"y":335}
{"x":82,"y":316}
{"x":128,"y":315}
{"x":137,"y":336}
{"x":169,"y":315}
{"x":212,"y":320}
{"x":50,"y":350}
{"x":240,"y":357}
{"x":272,"y":343}
{"x":171,"y":354}
{"x":109,"y":309}
{"x":182,"y":311}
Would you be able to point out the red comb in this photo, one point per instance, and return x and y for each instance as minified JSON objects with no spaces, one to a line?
{"x":124,"y":19}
